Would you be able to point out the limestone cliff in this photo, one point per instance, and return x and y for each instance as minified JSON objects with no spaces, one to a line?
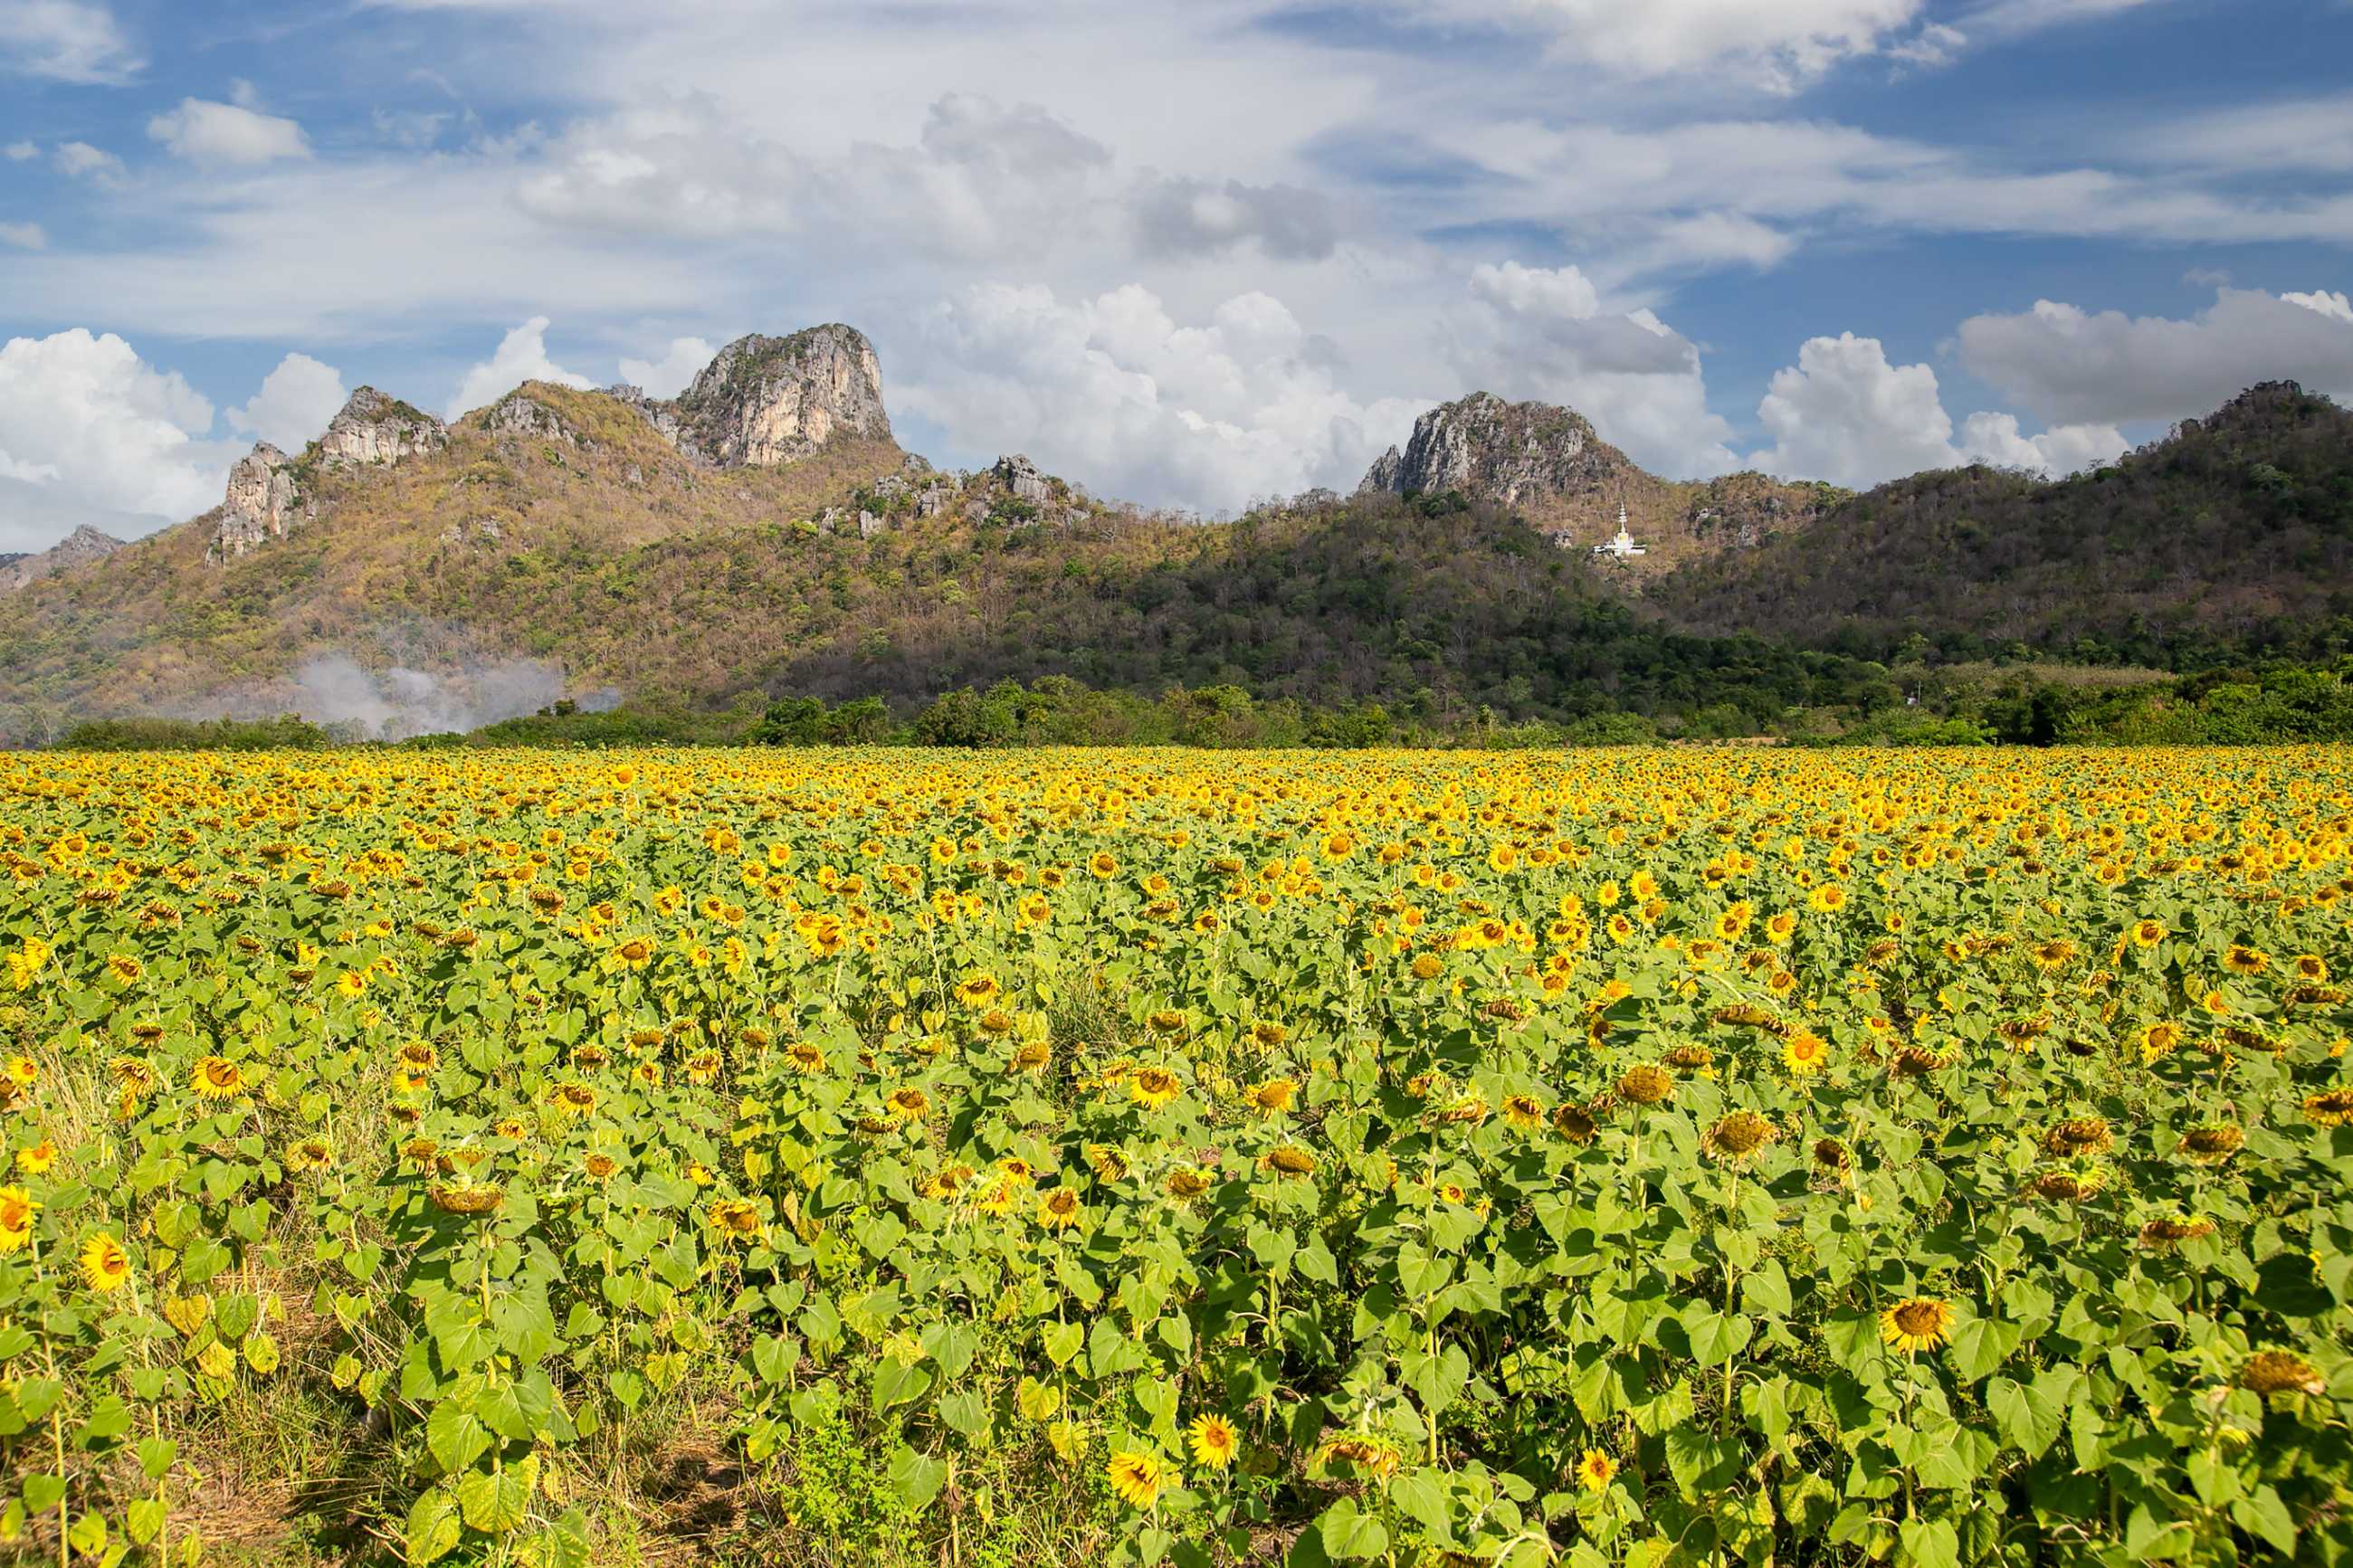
{"x":263,"y":503}
{"x":375,"y":429}
{"x":765,"y":400}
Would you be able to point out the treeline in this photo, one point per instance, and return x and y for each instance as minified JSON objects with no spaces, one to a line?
{"x":284,"y":733}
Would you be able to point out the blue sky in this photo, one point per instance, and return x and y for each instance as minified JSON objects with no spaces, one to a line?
{"x":1189,"y":254}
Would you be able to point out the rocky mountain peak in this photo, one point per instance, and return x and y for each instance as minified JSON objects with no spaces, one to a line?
{"x":83,"y":545}
{"x":1513,"y":454}
{"x":765,"y":400}
{"x":261,"y":503}
{"x":374,"y":428}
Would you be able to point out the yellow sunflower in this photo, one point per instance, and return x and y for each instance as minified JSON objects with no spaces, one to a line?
{"x":105,"y":1266}
{"x":1916,"y":1323}
{"x":1138,"y":1478}
{"x":1213,"y":1441}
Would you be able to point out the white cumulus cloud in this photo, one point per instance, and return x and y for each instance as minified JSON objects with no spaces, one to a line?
{"x":668,"y":375}
{"x":1844,"y":413}
{"x":87,"y":419}
{"x":1546,"y":333}
{"x":1118,"y":393}
{"x":205,"y":132}
{"x":24,"y":236}
{"x":294,"y":403}
{"x":80,"y":161}
{"x":2068,"y":363}
{"x":521,"y":356}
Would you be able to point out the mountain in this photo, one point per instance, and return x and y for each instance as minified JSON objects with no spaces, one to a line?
{"x":2235,"y":532}
{"x":1548,"y":465}
{"x":83,"y":545}
{"x":764,"y":534}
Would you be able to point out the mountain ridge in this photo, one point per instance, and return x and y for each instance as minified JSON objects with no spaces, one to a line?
{"x":764,"y":533}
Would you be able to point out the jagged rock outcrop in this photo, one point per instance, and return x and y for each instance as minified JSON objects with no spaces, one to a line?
{"x":521,"y":414}
{"x":1551,"y":467}
{"x":1513,"y":453}
{"x":80,"y":547}
{"x":1020,"y":476}
{"x":374,"y":428}
{"x":766,"y":400}
{"x":264,"y":502}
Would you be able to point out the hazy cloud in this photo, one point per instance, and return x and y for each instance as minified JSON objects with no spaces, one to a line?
{"x":205,"y":132}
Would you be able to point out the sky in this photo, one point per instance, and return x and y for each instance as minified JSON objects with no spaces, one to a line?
{"x":1190,"y":255}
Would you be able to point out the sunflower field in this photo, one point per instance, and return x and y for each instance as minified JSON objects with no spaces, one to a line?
{"x":1699,"y":1156}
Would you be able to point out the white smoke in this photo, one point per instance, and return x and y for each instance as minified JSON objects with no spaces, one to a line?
{"x":394,"y":704}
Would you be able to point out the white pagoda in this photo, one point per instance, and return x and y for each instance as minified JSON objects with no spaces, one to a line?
{"x":1622,"y":547}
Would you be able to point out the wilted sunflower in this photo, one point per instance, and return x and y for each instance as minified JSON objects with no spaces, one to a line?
{"x":2170,"y":1230}
{"x":1916,"y":1323}
{"x":1646,"y":1085}
{"x":466,"y":1198}
{"x":734,"y":1218}
{"x":309,"y":1154}
{"x":2078,"y":1135}
{"x":1523,"y":1110}
{"x":1139,"y":1479}
{"x":1738,"y":1135}
{"x":2278,"y":1372}
{"x":1061,"y":1209}
{"x":1691,"y":1056}
{"x":1831,"y":1157}
{"x":573,"y":1098}
{"x":1290,"y":1159}
{"x":1363,"y":1454}
{"x":599,"y":1164}
{"x":1573,"y":1122}
{"x":2213,"y":1146}
{"x":1188,"y":1184}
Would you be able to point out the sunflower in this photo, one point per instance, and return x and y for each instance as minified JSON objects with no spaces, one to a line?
{"x":1523,"y":1110}
{"x":1188,"y":1184}
{"x":1428,"y":966}
{"x":1139,"y":1479}
{"x":1916,"y":1323}
{"x":16,"y":1211}
{"x":2170,"y":1230}
{"x":309,"y":1154}
{"x":1596,"y":1470}
{"x":734,"y":1218}
{"x":1646,"y":1085}
{"x":1738,"y":1135}
{"x":1804,"y":1052}
{"x":573,"y":1098}
{"x":217,"y":1078}
{"x":2211,"y":1145}
{"x":2079,"y":1135}
{"x":1153,"y":1087}
{"x":909,"y":1103}
{"x":105,"y":1266}
{"x":2278,"y":1372}
{"x":35,"y":1158}
{"x":1290,"y":1159}
{"x":1574,"y":1122}
{"x":1107,"y":1163}
{"x":977,"y":989}
{"x":2329,"y":1107}
{"x":1275,"y":1096}
{"x":1061,"y":1210}
{"x":2146,"y":934}
{"x":2241,"y":959}
{"x":1213,"y":1440}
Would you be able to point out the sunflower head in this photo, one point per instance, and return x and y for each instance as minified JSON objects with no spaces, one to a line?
{"x":2278,"y":1372}
{"x":1916,"y":1323}
{"x":1738,"y":1135}
{"x":1646,"y":1085}
{"x":1214,"y":1441}
{"x":1139,"y":1478}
